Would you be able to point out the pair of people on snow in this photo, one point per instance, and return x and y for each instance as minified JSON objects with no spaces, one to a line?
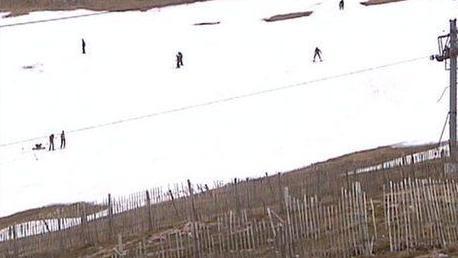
{"x":62,"y":141}
{"x":341,"y":5}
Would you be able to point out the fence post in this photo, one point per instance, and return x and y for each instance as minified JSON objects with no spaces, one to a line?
{"x":61,"y":236}
{"x":84,"y":235}
{"x":15,"y":248}
{"x":194,"y":219}
{"x":110,"y":217}
{"x":318,"y":184}
{"x":248,"y":187}
{"x":237,"y":200}
{"x":173,"y":203}
{"x":280,"y":190}
{"x":289,"y":232}
{"x":150,"y":216}
{"x":120,"y":245}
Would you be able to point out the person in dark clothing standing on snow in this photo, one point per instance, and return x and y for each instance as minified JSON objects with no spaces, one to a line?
{"x":341,"y":5}
{"x":180,"y":55}
{"x":317,"y":54}
{"x":83,"y":46}
{"x":178,"y":61}
{"x":62,"y":140}
{"x":51,"y":142}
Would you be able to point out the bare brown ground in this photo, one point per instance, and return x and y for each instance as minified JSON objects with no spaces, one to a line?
{"x":281,"y":17}
{"x":452,"y":253}
{"x":206,"y":23}
{"x":376,"y":2}
{"x":21,"y":7}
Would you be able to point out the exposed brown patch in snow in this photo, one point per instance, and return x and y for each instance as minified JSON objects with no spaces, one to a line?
{"x":376,"y":2}
{"x":22,"y":7}
{"x":287,"y":16}
{"x":206,"y":23}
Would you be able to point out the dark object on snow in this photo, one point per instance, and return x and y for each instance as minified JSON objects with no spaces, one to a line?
{"x":28,"y":67}
{"x":37,"y":66}
{"x":62,"y":140}
{"x":341,"y":5}
{"x":377,"y":2}
{"x":51,"y":142}
{"x":178,"y":61}
{"x":83,"y":46}
{"x":317,"y":54}
{"x":38,"y":146}
{"x":206,"y":23}
{"x":179,"y":57}
{"x":287,"y":16}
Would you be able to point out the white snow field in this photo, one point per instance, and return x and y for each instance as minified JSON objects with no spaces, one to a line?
{"x":129,"y":72}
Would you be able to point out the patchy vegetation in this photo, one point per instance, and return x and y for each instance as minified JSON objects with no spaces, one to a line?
{"x":22,"y":7}
{"x":281,"y":17}
{"x":376,"y":2}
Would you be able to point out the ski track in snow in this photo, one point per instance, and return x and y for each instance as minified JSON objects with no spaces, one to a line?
{"x":129,"y":71}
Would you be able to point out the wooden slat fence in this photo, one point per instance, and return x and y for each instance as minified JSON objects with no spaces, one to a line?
{"x":311,"y":220}
{"x":307,"y":229}
{"x":439,"y":152}
{"x":421,"y":213}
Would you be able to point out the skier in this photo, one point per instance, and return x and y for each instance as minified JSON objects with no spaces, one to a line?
{"x":51,"y":142}
{"x":178,"y":61}
{"x":83,"y":46}
{"x":180,"y":55}
{"x":317,"y":53}
{"x":341,"y":5}
{"x":62,"y":140}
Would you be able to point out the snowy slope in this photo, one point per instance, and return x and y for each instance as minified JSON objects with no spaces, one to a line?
{"x":129,"y":72}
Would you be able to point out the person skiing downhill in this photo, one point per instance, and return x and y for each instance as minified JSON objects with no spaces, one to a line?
{"x":51,"y":142}
{"x":341,"y":5}
{"x":62,"y":140}
{"x":83,"y":46}
{"x":317,"y":53}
